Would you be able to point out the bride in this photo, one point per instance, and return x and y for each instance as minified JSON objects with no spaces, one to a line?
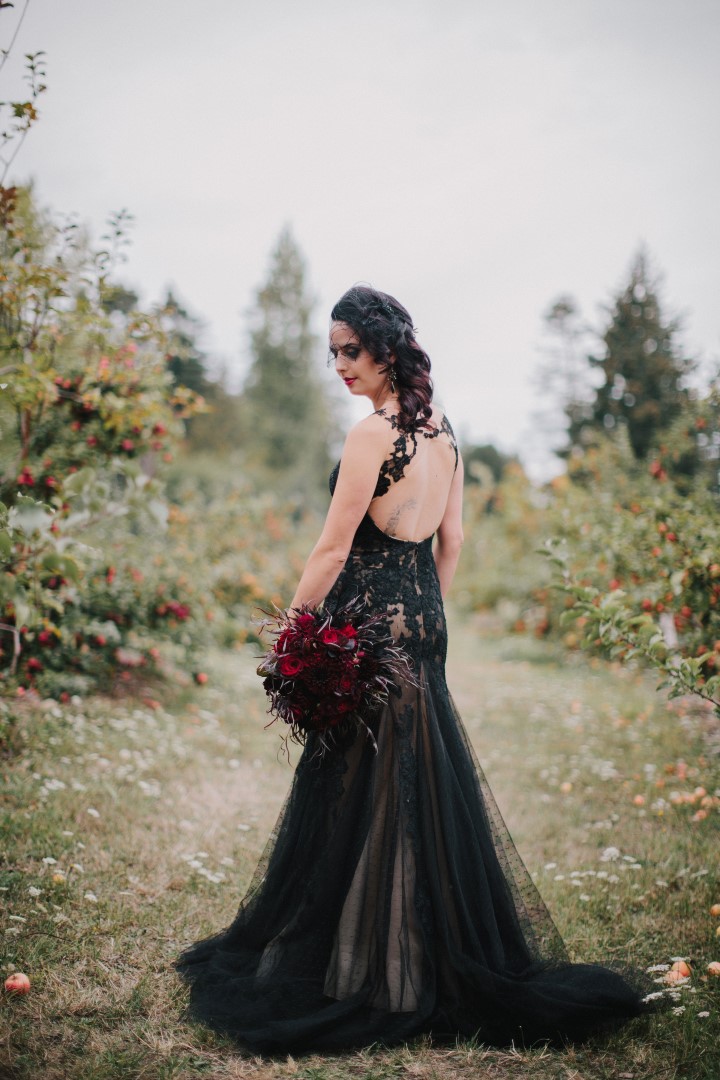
{"x":390,"y":899}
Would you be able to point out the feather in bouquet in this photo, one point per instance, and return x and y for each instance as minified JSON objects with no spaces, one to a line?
{"x":326,"y":673}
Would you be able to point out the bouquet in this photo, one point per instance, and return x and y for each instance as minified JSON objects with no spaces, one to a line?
{"x":326,"y":673}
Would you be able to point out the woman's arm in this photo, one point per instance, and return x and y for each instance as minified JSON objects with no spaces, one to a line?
{"x":449,"y":539}
{"x":363,"y":454}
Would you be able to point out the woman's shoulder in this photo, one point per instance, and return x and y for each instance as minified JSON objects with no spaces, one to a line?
{"x":438,"y":417}
{"x":368,"y":437}
{"x":438,"y":423}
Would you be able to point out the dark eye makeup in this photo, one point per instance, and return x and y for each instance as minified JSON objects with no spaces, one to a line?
{"x":350,"y":352}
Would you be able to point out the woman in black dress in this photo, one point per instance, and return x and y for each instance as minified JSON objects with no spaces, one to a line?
{"x":390,"y":899}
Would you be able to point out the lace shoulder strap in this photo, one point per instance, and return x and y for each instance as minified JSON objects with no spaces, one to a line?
{"x":393,"y":468}
{"x":444,"y":429}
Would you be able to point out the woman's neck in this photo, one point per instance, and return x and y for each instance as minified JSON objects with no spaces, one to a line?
{"x":384,"y":400}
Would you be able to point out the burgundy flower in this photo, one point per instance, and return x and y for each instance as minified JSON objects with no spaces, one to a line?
{"x":290,"y":665}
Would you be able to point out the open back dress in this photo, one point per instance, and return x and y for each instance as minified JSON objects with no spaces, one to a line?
{"x":390,"y":899}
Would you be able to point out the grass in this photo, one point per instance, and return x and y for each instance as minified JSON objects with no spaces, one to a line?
{"x":131,"y":828}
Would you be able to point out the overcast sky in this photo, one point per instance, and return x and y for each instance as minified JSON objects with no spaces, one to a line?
{"x":475,"y":158}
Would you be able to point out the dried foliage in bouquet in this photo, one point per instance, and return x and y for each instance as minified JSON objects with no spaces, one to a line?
{"x":327,"y":673}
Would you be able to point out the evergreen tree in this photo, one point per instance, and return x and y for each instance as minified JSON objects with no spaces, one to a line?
{"x":287,"y":418}
{"x":643,"y":367}
{"x":186,"y":361}
{"x":563,"y":377}
{"x":219,"y":428}
{"x":488,"y":456}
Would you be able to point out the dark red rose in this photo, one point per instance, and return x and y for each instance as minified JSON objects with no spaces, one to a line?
{"x":305,"y":622}
{"x":290,"y":665}
{"x":349,"y":630}
{"x":330,"y":636}
{"x":346,"y":683}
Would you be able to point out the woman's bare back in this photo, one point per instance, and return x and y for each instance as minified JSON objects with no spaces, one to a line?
{"x":414,"y":482}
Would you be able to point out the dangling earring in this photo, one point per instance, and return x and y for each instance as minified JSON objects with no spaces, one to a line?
{"x":392,"y":376}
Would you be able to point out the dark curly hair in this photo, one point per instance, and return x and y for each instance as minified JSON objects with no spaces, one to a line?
{"x":386,"y":330}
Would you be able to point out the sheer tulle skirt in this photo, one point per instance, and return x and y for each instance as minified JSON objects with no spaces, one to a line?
{"x":390,"y":901}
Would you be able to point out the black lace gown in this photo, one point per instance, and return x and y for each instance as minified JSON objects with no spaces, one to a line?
{"x":390,"y":899}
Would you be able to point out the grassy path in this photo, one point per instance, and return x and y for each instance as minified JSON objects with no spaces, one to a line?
{"x":130,"y":829}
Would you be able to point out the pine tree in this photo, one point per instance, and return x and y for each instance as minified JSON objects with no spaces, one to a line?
{"x":287,"y":419}
{"x":643,"y":367}
{"x":218,"y":429}
{"x":186,"y":361}
{"x":564,"y":378}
